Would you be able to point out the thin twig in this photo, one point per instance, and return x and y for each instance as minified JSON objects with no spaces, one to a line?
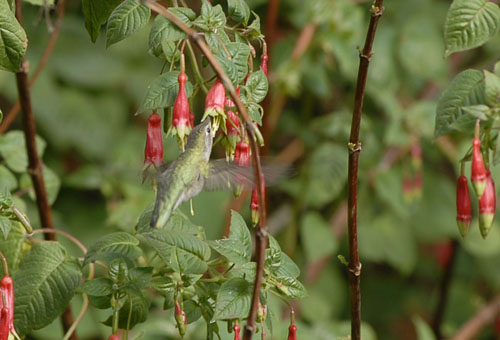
{"x":34,"y":163}
{"x":485,"y":316}
{"x":444,"y":289}
{"x":252,"y":131}
{"x":354,"y":150}
{"x":11,"y":115}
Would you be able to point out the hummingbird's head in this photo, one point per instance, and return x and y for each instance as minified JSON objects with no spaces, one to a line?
{"x":201,"y":138}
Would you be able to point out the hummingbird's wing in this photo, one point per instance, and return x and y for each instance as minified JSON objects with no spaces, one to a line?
{"x":227,"y":176}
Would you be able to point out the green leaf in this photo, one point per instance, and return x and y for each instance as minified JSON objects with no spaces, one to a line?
{"x":140,"y":310}
{"x":43,"y":286}
{"x":181,"y":251}
{"x":233,"y":300}
{"x":273,"y":255}
{"x":288,"y":268}
{"x":256,"y":87}
{"x":466,"y":89}
{"x":470,"y":23}
{"x":41,"y":2}
{"x":424,"y":332}
{"x":12,"y":247}
{"x":5,"y":226}
{"x":115,"y":245}
{"x":254,"y":28}
{"x":13,"y":40}
{"x":238,"y":247}
{"x":239,"y":57}
{"x":476,"y":111}
{"x":491,"y":88}
{"x":162,"y":92}
{"x":290,"y":287}
{"x":102,"y":286}
{"x":129,"y":17}
{"x":8,"y":181}
{"x":13,"y":150}
{"x":317,"y":239}
{"x":140,"y":276}
{"x":164,"y":30}
{"x":96,"y":13}
{"x":211,"y":18}
{"x":238,"y":10}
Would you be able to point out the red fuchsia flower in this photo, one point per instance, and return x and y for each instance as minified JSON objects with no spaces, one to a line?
{"x":229,"y":102}
{"x":242,"y":154}
{"x":232,"y":134}
{"x":263,"y":63}
{"x":153,"y":153}
{"x":292,"y":332}
{"x":114,"y":337}
{"x":464,"y":215}
{"x":181,"y":119}
{"x":4,"y":323}
{"x":487,"y":206}
{"x":254,"y":207}
{"x":191,"y":119}
{"x":478,"y":170}
{"x":237,"y":330}
{"x":214,"y":104}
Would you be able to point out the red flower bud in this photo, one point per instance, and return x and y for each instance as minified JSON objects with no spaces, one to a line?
{"x":478,"y":171}
{"x":181,"y":119}
{"x":292,"y":332}
{"x":463,"y":205}
{"x":487,"y":206}
{"x":237,"y":329}
{"x":7,"y":289}
{"x":263,"y":63}
{"x":232,"y":134}
{"x":153,"y":153}
{"x":180,"y":318}
{"x":4,"y":323}
{"x":254,"y":207}
{"x":229,"y":102}
{"x":114,"y":337}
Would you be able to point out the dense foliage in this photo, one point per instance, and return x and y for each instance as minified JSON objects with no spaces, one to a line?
{"x":433,"y":74}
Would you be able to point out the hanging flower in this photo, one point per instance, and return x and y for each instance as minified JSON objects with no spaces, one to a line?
{"x":487,"y":206}
{"x":214,"y":104}
{"x":254,"y":207}
{"x":232,"y":134}
{"x":153,"y":153}
{"x":181,"y":119}
{"x":263,"y":63}
{"x":464,"y":216}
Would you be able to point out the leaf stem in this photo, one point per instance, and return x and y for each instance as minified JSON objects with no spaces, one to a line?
{"x":196,"y":69}
{"x":354,"y":147}
{"x":63,"y":233}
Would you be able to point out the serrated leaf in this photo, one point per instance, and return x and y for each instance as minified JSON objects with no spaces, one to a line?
{"x":140,"y":309}
{"x":228,"y":66}
{"x":233,"y":300}
{"x":254,"y":28}
{"x":288,"y":268}
{"x":115,"y":245}
{"x":96,"y":13}
{"x":211,"y":17}
{"x":238,"y":10}
{"x":140,"y":276}
{"x":162,"y":92}
{"x":13,"y":150}
{"x":43,"y":285}
{"x":491,"y":88}
{"x":256,"y":87}
{"x":245,"y":271}
{"x":163,"y":30}
{"x":8,"y":181}
{"x":181,"y":251}
{"x":13,"y":40}
{"x":477,"y":111}
{"x":273,"y":255}
{"x":5,"y":226}
{"x":129,"y":17}
{"x":466,"y":89}
{"x":290,"y":287}
{"x":470,"y":23}
{"x":101,"y":286}
{"x":239,"y":56}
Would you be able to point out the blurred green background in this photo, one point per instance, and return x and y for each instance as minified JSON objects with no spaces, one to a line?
{"x":86,"y":97}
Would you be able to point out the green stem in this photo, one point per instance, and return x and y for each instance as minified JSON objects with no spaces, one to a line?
{"x":79,"y":318}
{"x":129,"y":319}
{"x":196,"y":69}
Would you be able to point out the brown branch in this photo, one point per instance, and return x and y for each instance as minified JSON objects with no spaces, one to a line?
{"x":444,"y":288}
{"x":261,"y":233}
{"x":472,"y":328}
{"x":354,"y":150}
{"x":34,"y":163}
{"x":12,"y":114}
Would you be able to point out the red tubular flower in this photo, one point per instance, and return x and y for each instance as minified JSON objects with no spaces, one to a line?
{"x":191,"y":119}
{"x":478,"y":170}
{"x":487,"y":206}
{"x":254,"y":207}
{"x":4,"y":323}
{"x":114,"y":337}
{"x":232,"y":134}
{"x":464,"y":216}
{"x":181,"y":120}
{"x":214,"y":103}
{"x":7,"y":289}
{"x":263,"y":63}
{"x":292,"y":332}
{"x":153,"y":153}
{"x":242,"y":154}
{"x":237,"y":329}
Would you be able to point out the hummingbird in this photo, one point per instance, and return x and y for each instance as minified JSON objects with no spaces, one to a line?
{"x":184,"y":178}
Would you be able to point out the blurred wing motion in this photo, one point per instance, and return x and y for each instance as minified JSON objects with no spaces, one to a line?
{"x":228,"y":176}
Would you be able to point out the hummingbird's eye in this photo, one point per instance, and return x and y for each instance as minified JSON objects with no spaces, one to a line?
{"x":208,"y":129}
